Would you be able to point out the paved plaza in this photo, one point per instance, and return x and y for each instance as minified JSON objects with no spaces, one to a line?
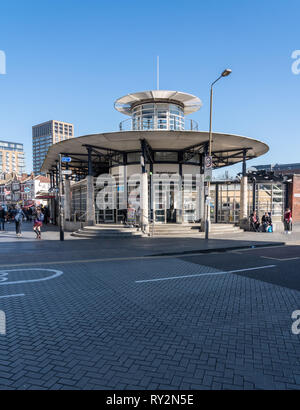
{"x":87,"y":314}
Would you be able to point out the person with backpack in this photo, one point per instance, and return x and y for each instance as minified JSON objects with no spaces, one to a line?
{"x":267,"y":223}
{"x":38,"y":218}
{"x":19,"y":217}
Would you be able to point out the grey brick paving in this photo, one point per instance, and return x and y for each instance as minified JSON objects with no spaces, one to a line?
{"x":95,"y":328}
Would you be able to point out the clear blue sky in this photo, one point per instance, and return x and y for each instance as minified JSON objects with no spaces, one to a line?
{"x":69,"y":60}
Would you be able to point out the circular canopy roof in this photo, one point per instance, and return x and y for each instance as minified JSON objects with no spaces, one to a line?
{"x":226,"y":148}
{"x":190,"y":102}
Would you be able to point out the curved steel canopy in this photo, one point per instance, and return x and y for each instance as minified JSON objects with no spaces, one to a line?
{"x":227,"y":149}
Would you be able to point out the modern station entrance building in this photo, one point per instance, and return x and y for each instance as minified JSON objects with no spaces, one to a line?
{"x":154,"y":163}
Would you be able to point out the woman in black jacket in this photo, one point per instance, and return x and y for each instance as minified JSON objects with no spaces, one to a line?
{"x":266,"y":221}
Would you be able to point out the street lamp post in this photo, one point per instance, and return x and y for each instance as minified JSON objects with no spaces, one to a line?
{"x":61,"y":208}
{"x":225,"y":73}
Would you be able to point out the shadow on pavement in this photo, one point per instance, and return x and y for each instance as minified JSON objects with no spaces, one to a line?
{"x":30,"y":250}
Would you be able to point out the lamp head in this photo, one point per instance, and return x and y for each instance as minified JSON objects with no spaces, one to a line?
{"x":226,"y":72}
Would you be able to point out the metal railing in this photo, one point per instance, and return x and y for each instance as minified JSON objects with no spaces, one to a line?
{"x":77,"y":216}
{"x":188,"y":125}
{"x":151,"y":227}
{"x":137,"y":223}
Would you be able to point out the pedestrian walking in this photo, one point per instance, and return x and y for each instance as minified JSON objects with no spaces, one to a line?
{"x":2,"y":218}
{"x":19,"y":217}
{"x":29,"y":214}
{"x":45,"y":212}
{"x":10,"y":214}
{"x":38,"y":218}
{"x":124,"y":216}
{"x":288,"y":221}
{"x":138,"y":219}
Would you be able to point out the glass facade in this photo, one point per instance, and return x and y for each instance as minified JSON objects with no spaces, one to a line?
{"x":12,"y":157}
{"x":157,"y":116}
{"x":79,"y":200}
{"x":269,"y":197}
{"x":46,"y":134}
{"x":175,"y":201}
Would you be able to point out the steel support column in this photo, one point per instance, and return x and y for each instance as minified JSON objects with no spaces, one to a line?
{"x":244,"y":191}
{"x":144,"y":191}
{"x":90,"y":192}
{"x":216,"y":203}
{"x":180,"y":218}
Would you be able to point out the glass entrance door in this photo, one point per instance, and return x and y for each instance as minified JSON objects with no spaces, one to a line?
{"x":105,"y":216}
{"x":164,"y":204}
{"x":228,"y":203}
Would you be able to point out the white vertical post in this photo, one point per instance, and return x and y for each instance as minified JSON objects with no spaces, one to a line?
{"x":125,"y":198}
{"x":67,"y":204}
{"x":200,"y":197}
{"x":244,"y":198}
{"x":145,"y":206}
{"x":90,"y":201}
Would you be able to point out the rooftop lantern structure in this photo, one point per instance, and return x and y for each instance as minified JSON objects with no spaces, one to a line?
{"x":158,"y":110}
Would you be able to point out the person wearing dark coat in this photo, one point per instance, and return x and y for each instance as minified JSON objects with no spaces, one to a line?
{"x":2,"y":218}
{"x":254,"y":222}
{"x":266,"y":221}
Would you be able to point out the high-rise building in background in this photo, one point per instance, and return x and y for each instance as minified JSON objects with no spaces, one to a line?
{"x":46,"y":134}
{"x":12,"y":157}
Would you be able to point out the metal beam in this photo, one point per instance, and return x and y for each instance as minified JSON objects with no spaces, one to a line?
{"x":148,"y":150}
{"x":94,"y":148}
{"x":244,"y":163}
{"x":232,"y":150}
{"x":200,"y":145}
{"x":143,"y":148}
{"x":73,"y":153}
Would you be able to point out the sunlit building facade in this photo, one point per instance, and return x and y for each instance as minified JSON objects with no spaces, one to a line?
{"x":46,"y":134}
{"x":12,"y":158}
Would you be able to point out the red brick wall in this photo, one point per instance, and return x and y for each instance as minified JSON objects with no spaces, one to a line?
{"x":295,"y":200}
{"x":287,"y":171}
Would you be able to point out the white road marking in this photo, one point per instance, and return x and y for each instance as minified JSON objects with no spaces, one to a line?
{"x":256,"y":248}
{"x":12,"y":296}
{"x":120,"y":259}
{"x":205,"y":274}
{"x":280,"y":259}
{"x":57,"y":273}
